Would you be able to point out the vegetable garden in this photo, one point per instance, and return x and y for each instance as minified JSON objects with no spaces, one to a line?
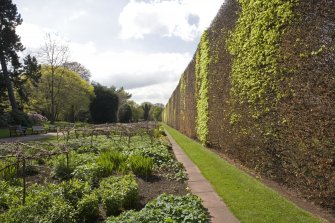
{"x":105,"y":173}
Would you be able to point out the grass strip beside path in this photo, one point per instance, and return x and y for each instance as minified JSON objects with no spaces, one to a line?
{"x":249,"y":200}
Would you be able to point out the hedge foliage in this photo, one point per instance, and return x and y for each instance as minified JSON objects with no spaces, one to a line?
{"x":261,"y":88}
{"x":201,"y":73}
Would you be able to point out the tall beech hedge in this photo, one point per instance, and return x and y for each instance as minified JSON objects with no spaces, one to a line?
{"x":261,"y":88}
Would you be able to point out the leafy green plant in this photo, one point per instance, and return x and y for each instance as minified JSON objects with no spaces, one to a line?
{"x":141,"y":166}
{"x":10,"y":175}
{"x":88,"y":208}
{"x":10,"y":196}
{"x":38,"y":201}
{"x":59,"y":212}
{"x":73,"y":190}
{"x":62,"y":169}
{"x":118,"y":193}
{"x":91,"y":172}
{"x":167,"y":208}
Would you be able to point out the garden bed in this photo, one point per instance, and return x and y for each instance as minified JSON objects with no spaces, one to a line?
{"x":95,"y":178}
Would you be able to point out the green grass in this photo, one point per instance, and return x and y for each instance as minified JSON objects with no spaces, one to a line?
{"x":4,"y":133}
{"x":249,"y":200}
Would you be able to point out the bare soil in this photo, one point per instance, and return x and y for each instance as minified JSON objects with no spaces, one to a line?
{"x":157,"y":185}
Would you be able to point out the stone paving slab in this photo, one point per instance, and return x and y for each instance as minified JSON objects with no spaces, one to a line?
{"x":199,"y":186}
{"x":27,"y":138}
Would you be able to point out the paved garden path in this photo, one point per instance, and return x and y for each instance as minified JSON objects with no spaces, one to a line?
{"x":203,"y":189}
{"x":27,"y":138}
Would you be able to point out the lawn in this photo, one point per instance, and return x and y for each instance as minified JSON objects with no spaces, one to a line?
{"x":249,"y":200}
{"x":4,"y":133}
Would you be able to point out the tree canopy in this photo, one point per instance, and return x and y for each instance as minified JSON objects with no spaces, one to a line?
{"x":105,"y":105}
{"x":79,"y":69}
{"x":72,"y":94}
{"x":10,"y":45}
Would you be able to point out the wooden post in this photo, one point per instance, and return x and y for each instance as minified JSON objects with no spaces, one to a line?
{"x":24,"y":180}
{"x":67,"y":160}
{"x":17,"y":167}
{"x":92,"y":140}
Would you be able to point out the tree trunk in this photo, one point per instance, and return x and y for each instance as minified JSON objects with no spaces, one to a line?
{"x":53,"y":112}
{"x":8,"y":83}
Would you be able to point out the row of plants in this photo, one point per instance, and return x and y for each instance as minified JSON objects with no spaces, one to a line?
{"x":141,"y":157}
{"x":70,"y":201}
{"x":92,"y":183}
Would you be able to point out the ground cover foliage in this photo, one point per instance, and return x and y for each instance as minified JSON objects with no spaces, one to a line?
{"x":270,"y":92}
{"x":97,"y":177}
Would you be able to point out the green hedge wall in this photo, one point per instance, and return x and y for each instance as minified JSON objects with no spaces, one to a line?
{"x":261,"y":88}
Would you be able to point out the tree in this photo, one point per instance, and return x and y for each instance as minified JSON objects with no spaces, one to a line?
{"x":123,"y":96}
{"x":79,"y":69}
{"x":55,"y":55}
{"x":137,"y":111}
{"x":10,"y":45}
{"x":104,"y":106}
{"x":31,"y":71}
{"x":156,"y":113}
{"x":146,"y":108}
{"x":125,"y":113}
{"x":71,"y":98}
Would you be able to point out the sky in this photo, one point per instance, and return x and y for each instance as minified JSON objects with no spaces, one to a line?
{"x":141,"y":45}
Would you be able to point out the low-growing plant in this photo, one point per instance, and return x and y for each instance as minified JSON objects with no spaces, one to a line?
{"x":88,"y":208}
{"x":141,"y":166}
{"x":167,"y":208}
{"x":118,"y":193}
{"x":90,"y":172}
{"x":62,"y":169}
{"x":10,"y":196}
{"x":10,"y":175}
{"x":38,"y":202}
{"x":110,"y":161}
{"x":59,"y":212}
{"x":73,"y":190}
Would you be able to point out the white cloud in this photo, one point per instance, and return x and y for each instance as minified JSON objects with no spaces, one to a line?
{"x":167,"y":18}
{"x":158,"y":93}
{"x":149,"y":76}
{"x":32,"y":36}
{"x":128,"y":68}
{"x":76,"y":15}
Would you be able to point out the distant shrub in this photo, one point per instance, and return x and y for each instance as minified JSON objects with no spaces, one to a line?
{"x":5,"y":119}
{"x":36,"y":118}
{"x":19,"y":118}
{"x":125,"y":114}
